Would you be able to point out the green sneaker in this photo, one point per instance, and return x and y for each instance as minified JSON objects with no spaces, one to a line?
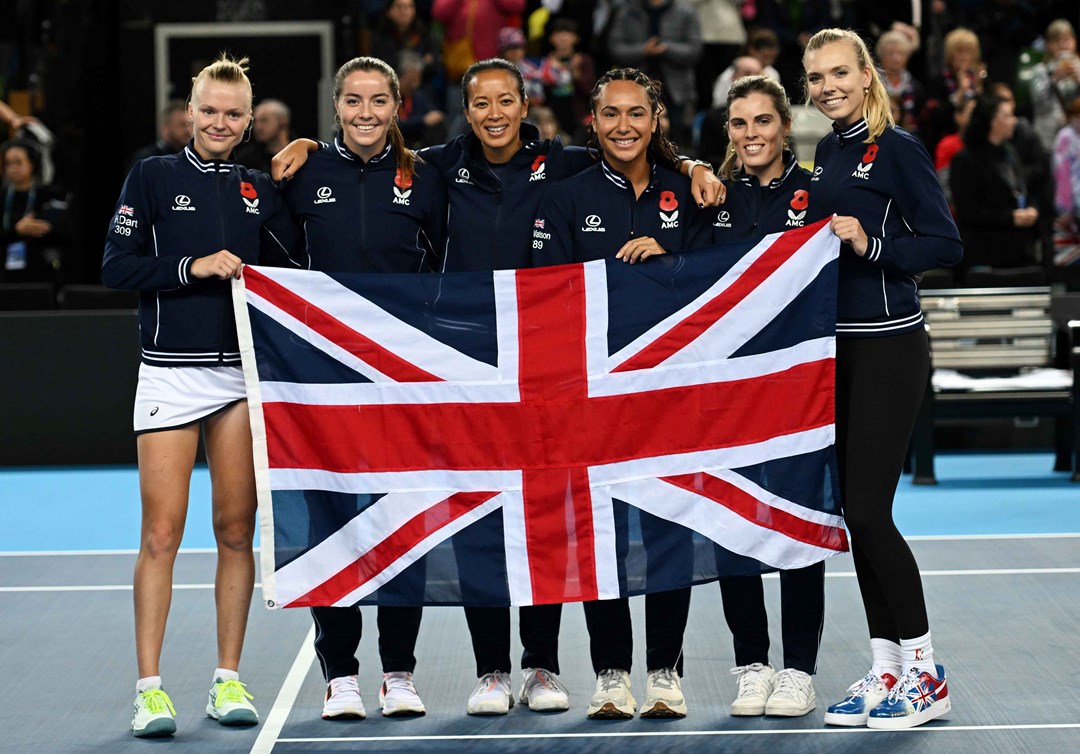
{"x":229,"y":704}
{"x":154,"y":715}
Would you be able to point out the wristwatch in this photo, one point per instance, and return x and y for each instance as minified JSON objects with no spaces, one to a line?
{"x":694,"y":164}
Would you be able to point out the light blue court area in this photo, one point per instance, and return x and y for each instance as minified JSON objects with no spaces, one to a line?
{"x":98,"y":508}
{"x":91,"y":508}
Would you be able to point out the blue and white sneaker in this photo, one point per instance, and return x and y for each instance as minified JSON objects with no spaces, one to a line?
{"x":916,"y":698}
{"x":862,"y":696}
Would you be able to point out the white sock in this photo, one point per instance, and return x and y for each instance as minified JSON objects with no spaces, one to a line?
{"x":919,"y":654}
{"x":145,"y":684}
{"x":226,"y":675}
{"x":888,"y":657}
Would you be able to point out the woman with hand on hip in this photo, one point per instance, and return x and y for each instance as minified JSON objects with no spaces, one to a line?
{"x":879,"y":184}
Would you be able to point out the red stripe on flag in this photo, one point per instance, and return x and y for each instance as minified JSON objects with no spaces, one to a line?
{"x":551,"y":330}
{"x":759,"y":513}
{"x":549,"y":434}
{"x":684,"y":333}
{"x":334,"y":330}
{"x":558,"y":502}
{"x":559,"y":535}
{"x":382,"y":555}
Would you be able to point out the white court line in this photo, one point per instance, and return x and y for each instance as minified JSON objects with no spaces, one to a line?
{"x":211,"y":550}
{"x":286,"y":698}
{"x":654,"y":734}
{"x":828,"y":575}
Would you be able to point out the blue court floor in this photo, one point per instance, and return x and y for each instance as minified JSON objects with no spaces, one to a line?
{"x":998,"y":541}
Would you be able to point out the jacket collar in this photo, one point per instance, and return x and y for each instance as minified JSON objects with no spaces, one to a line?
{"x":857,"y":131}
{"x":206,"y":166}
{"x":790,"y":163}
{"x":344,"y":151}
{"x":474,"y":150}
{"x":480,"y":173}
{"x":621,"y":182}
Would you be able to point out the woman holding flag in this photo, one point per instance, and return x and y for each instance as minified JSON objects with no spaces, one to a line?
{"x":367,"y":204}
{"x":643,"y":207}
{"x":767,"y":193}
{"x":879,"y":185}
{"x":183,"y":226}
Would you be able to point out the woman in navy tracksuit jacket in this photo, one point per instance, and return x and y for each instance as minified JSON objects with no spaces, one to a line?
{"x":768,"y":194}
{"x":890,"y":213}
{"x":631,"y":205}
{"x":183,"y":226}
{"x":365,"y":204}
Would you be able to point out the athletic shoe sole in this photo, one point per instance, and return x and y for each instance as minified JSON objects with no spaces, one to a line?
{"x":235,"y":717}
{"x":913,"y":720}
{"x":403,"y":710}
{"x":610,"y":711}
{"x":158,"y":728}
{"x":744,"y":711}
{"x":345,"y":714}
{"x":789,"y":711}
{"x":846,"y":721}
{"x":487,"y":709}
{"x":661,"y":710}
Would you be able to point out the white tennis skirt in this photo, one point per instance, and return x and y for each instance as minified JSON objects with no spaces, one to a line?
{"x":174,"y":397}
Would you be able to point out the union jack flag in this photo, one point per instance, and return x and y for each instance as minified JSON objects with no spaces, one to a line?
{"x":561,"y":434}
{"x":126,"y":210}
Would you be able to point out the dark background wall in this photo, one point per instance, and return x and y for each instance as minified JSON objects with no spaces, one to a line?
{"x":68,"y":384}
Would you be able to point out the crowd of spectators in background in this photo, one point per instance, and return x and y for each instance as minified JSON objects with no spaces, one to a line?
{"x":1015,"y":188}
{"x":944,"y":66}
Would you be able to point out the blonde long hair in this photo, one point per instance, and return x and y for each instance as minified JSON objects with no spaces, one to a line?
{"x":876,"y":107}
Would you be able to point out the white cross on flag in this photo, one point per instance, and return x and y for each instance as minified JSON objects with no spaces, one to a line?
{"x":561,"y":434}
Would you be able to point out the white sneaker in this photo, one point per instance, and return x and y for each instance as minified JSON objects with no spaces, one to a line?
{"x":612,"y":699}
{"x":397,"y":695}
{"x":542,"y":691}
{"x":755,"y":686}
{"x":229,"y":704}
{"x":154,"y":715}
{"x":792,"y":695}
{"x":663,"y":695}
{"x":343,"y":700}
{"x":492,"y":695}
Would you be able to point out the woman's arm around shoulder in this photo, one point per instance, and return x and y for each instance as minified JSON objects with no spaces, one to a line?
{"x":553,"y":228}
{"x":278,"y":245}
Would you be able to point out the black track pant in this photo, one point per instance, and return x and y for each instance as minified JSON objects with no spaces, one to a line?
{"x":802,"y":615}
{"x":538,"y":626}
{"x":338,"y":631}
{"x":611,"y":636}
{"x":879,"y":386}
